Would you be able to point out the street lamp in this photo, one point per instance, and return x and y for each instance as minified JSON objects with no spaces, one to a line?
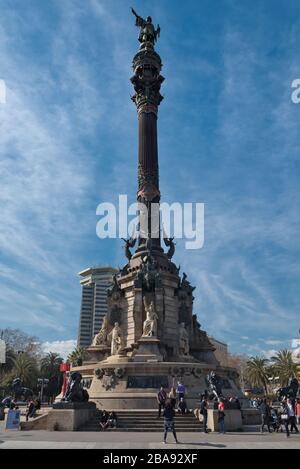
{"x":42,"y":383}
{"x":2,"y":351}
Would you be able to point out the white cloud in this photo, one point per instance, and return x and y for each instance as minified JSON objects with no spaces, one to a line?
{"x":62,"y":347}
{"x":273,"y":342}
{"x":269,"y":353}
{"x":295,"y":343}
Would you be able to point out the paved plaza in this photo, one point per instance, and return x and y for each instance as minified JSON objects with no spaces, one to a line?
{"x":125,"y":440}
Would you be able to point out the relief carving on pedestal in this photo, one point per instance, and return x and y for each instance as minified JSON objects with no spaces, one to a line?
{"x":109,"y":376}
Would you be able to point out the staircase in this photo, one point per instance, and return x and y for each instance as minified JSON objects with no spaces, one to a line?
{"x":144,"y":421}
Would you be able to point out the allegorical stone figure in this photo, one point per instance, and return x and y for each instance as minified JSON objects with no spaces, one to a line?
{"x":184,"y":343}
{"x":101,"y":337}
{"x":150,"y":323}
{"x":147,"y":32}
{"x":215,"y":383}
{"x":116,"y":339}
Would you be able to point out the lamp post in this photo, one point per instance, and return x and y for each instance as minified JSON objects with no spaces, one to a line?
{"x":298,"y":364}
{"x":42,"y":382}
{"x":2,"y":350}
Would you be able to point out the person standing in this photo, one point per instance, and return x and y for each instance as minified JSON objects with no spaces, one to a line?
{"x":264,"y":409}
{"x":169,"y":424}
{"x":292,"y":416}
{"x":161,"y":400}
{"x":204,"y":411}
{"x":221,"y":416}
{"x":284,"y":417}
{"x":298,"y":411}
{"x":180,"y":390}
{"x":172,"y":396}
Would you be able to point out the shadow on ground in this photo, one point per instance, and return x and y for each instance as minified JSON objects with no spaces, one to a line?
{"x":211,"y":445}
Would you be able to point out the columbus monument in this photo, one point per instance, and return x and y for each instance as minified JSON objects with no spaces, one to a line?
{"x":150,"y":336}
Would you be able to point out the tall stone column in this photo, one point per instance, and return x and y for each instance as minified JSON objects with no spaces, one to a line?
{"x":147,"y":82}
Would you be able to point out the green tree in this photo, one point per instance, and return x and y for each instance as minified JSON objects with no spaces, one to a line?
{"x":25,"y":367}
{"x":50,"y":365}
{"x":283,"y":366}
{"x":50,"y":369}
{"x":77,"y":357}
{"x":257,"y":373}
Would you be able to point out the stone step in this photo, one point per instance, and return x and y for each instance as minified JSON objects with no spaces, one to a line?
{"x":148,"y":415}
{"x":146,"y":425}
{"x":179,"y":418}
{"x":143,"y":428}
{"x":251,"y":428}
{"x":144,"y":421}
{"x":138,"y":429}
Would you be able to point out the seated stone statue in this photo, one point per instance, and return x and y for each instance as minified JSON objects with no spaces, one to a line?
{"x":101,"y":337}
{"x":184,"y":343}
{"x":150,"y":323}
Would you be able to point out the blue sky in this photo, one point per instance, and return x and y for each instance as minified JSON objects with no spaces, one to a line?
{"x":228,"y":137}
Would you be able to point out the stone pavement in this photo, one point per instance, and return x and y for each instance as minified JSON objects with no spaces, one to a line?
{"x":150,"y":441}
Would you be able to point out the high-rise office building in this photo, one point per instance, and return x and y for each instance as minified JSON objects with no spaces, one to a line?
{"x":95,"y":281}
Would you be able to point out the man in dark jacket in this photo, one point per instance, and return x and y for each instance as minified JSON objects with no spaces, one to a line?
{"x":169,"y":424}
{"x":161,"y":400}
{"x":265,"y":412}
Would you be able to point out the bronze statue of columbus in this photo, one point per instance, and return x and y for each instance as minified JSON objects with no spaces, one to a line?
{"x":147,"y":32}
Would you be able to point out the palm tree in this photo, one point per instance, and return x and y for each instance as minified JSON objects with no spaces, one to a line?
{"x":78,"y":356}
{"x":25,"y":368}
{"x":50,"y":369}
{"x":283,"y":366}
{"x":50,"y":365}
{"x":257,"y":372}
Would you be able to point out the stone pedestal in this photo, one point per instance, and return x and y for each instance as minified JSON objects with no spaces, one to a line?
{"x":135,"y":384}
{"x":233,"y":420}
{"x":98,"y":353}
{"x":63,"y":405}
{"x":70,"y":416}
{"x":64,"y":417}
{"x":148,"y":350}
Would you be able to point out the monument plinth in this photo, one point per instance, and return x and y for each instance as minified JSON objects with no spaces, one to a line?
{"x":148,"y":350}
{"x":150,"y":306}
